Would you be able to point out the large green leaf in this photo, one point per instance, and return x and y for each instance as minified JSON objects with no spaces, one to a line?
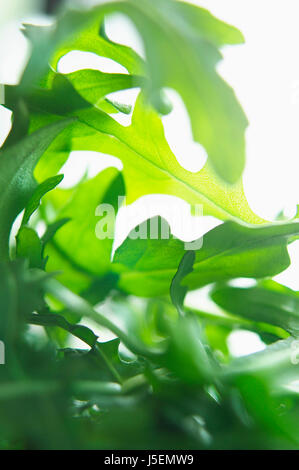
{"x":231,"y":250}
{"x":147,"y":266}
{"x":17,"y":183}
{"x":268,"y":302}
{"x":149,"y":164}
{"x":181,"y":44}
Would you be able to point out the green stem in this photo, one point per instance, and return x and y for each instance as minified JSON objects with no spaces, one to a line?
{"x":108,"y":363}
{"x":81,"y":307}
{"x":18,"y":389}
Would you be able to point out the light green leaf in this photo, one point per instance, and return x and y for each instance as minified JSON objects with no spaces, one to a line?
{"x":181,"y":44}
{"x":90,"y":39}
{"x":73,"y":30}
{"x":93,"y":85}
{"x":149,"y":164}
{"x":52,"y":229}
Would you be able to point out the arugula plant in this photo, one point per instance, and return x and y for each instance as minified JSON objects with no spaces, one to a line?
{"x":165,"y":378}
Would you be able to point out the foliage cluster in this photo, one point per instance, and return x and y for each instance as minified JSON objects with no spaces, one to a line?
{"x":166,"y":378}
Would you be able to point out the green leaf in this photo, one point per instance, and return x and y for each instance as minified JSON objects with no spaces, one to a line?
{"x":17,"y":184}
{"x":76,"y":249}
{"x":51,"y":319}
{"x":89,"y":39}
{"x":147,"y":266}
{"x":8,"y":302}
{"x":29,"y":246}
{"x":231,"y":250}
{"x":149,"y":164}
{"x":278,"y":363}
{"x":192,"y":364}
{"x":181,"y":43}
{"x":179,"y":37}
{"x":177,"y":291}
{"x":73,"y":30}
{"x":52,"y":229}
{"x":20,"y":294}
{"x":264,"y":408}
{"x":93,"y":85}
{"x":40,"y":191}
{"x":268,"y":302}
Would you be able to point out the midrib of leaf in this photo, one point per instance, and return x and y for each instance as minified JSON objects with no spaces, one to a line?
{"x":184,"y":183}
{"x":121,"y":138}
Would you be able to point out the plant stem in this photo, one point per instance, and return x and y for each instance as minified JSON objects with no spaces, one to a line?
{"x":80,"y":306}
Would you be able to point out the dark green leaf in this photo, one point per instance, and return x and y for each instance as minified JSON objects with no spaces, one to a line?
{"x":40,"y":191}
{"x":177,"y":291}
{"x":17,"y":184}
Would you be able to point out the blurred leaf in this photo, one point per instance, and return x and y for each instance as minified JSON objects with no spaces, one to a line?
{"x":265,"y":408}
{"x":29,"y":246}
{"x":81,"y":332}
{"x":277,"y":363}
{"x":268,"y":302}
{"x":52,"y":229}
